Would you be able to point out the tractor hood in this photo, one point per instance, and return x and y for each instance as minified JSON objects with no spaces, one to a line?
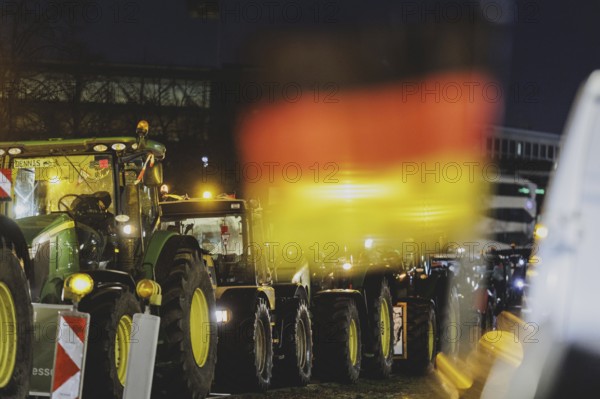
{"x":49,"y":225}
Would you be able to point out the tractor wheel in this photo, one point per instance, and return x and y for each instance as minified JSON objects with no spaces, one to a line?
{"x":337,"y":340}
{"x":450,"y":334}
{"x":111,"y":324}
{"x":487,"y":320}
{"x":16,"y":331}
{"x":295,"y":368}
{"x":187,"y":355}
{"x":421,"y":337}
{"x":246,"y":354}
{"x":381,"y":323}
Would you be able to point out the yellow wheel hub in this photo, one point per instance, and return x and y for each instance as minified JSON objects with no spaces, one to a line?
{"x":122,"y":346}
{"x":431,"y":340}
{"x":386,"y":329}
{"x":353,"y":342}
{"x":8,"y":335}
{"x":199,"y":322}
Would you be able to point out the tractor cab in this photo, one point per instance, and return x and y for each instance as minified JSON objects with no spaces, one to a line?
{"x":82,"y":204}
{"x":230,"y":236}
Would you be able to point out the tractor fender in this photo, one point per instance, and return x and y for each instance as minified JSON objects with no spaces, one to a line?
{"x":287,"y":296}
{"x":161,"y":250}
{"x":290,"y":290}
{"x":355,"y":295}
{"x":12,"y":234}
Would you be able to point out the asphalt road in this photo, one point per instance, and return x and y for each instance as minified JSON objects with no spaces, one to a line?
{"x":399,"y":386}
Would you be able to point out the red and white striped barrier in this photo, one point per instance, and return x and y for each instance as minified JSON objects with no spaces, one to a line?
{"x":69,"y":358}
{"x":5,"y":183}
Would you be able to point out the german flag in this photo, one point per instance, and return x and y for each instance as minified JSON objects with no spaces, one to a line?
{"x":397,"y":161}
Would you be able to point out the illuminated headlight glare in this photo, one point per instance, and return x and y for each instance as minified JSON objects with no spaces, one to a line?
{"x":347,"y":266}
{"x":2,"y":152}
{"x":207,"y":195}
{"x":149,"y":290}
{"x":369,"y":243}
{"x":146,"y":288}
{"x":540,"y":232}
{"x":14,"y":151}
{"x":100,"y":148}
{"x":521,"y":262}
{"x":222,"y":315}
{"x":127,"y":229}
{"x":134,"y":146}
{"x":118,"y":146}
{"x":78,"y":285}
{"x":122,"y":218}
{"x":519,"y":283}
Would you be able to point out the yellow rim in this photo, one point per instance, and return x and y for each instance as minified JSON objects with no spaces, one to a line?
{"x":353,"y":342}
{"x":431,"y":340}
{"x":386,"y":331}
{"x":199,"y":319}
{"x":8,"y":335}
{"x":260,"y":345}
{"x":122,"y":342}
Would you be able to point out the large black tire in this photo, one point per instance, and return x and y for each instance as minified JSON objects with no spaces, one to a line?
{"x":380,"y":343}
{"x":337,"y":333}
{"x":16,"y":328}
{"x":295,"y":366}
{"x":187,"y":354}
{"x":421,"y":335}
{"x":450,"y":332}
{"x":246,"y":354}
{"x":111,"y":316}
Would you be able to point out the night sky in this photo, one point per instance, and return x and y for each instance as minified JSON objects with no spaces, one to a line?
{"x":549,"y":46}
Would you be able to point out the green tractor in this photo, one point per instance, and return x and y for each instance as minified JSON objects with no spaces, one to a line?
{"x":16,"y":314}
{"x":373,"y":308}
{"x":265,"y":333}
{"x":85,"y":211}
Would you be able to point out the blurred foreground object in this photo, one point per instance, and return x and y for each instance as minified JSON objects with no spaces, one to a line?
{"x":370,"y":160}
{"x":562,"y":357}
{"x":393,"y":161}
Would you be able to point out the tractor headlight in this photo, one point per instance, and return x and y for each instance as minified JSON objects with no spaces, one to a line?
{"x":519,"y":283}
{"x":150,"y":290}
{"x":118,"y":146}
{"x":127,"y":229}
{"x":78,"y":285}
{"x":347,"y":266}
{"x":223,"y":315}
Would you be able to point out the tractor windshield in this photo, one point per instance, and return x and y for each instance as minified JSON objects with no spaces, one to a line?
{"x":222,"y":237}
{"x":217,"y":235}
{"x":42,"y":185}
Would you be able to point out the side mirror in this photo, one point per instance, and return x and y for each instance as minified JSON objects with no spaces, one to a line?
{"x":153,"y":177}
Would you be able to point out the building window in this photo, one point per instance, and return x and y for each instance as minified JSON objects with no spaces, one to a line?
{"x":504,"y":146}
{"x":551,"y":152}
{"x":543,"y":151}
{"x":528,"y":150}
{"x":536,"y":149}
